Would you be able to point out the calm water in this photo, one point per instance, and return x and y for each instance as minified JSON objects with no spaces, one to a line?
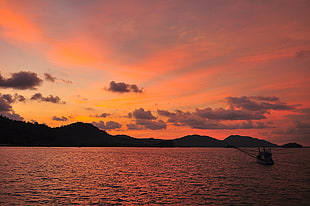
{"x":151,"y":176}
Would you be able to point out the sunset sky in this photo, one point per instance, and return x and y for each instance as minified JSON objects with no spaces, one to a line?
{"x":161,"y":69}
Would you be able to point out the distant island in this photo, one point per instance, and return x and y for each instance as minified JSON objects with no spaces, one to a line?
{"x":292,"y":145}
{"x":19,"y":133}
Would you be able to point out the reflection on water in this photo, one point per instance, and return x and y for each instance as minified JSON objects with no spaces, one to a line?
{"x":151,"y":176}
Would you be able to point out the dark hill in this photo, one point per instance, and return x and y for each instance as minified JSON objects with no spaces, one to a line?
{"x":23,"y":133}
{"x":82,"y":134}
{"x":198,"y":141}
{"x":245,"y":141}
{"x":20,"y":133}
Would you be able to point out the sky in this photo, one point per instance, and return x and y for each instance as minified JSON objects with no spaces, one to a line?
{"x":161,"y":69}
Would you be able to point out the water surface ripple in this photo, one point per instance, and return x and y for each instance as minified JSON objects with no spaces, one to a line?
{"x":151,"y":176}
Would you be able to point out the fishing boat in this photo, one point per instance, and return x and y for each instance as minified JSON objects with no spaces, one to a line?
{"x":264,"y":156}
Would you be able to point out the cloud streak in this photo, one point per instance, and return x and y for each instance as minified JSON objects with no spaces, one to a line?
{"x":50,"y":78}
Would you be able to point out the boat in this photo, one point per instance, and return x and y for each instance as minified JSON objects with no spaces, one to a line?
{"x":264,"y":156}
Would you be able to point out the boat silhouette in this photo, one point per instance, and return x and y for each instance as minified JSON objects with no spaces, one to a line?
{"x":264,"y":156}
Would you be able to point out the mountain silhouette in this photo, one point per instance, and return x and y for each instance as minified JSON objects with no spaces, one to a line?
{"x":246,"y":141}
{"x":19,"y":133}
{"x":198,"y":141}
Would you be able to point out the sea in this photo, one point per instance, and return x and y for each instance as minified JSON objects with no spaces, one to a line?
{"x":151,"y":176}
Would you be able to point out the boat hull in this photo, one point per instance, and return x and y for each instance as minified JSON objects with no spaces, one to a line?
{"x":265,"y":162}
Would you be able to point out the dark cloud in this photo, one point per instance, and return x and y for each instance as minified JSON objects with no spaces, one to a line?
{"x":151,"y":124}
{"x":197,"y":121}
{"x":19,"y":98}
{"x":230,"y":114}
{"x":147,"y":124}
{"x":50,"y":98}
{"x":303,"y":54}
{"x":5,"y":106}
{"x":304,"y":110}
{"x":252,"y":125}
{"x":141,"y":114}
{"x":248,"y":104}
{"x":62,"y":119}
{"x":165,"y":113}
{"x":21,"y":80}
{"x":299,"y":129}
{"x":12,"y":115}
{"x":135,"y":127}
{"x":7,"y":99}
{"x":302,"y":125}
{"x":180,"y":118}
{"x":241,"y":108}
{"x":122,"y":87}
{"x":104,"y":115}
{"x":109,"y":125}
{"x":265,"y":98}
{"x":49,"y":77}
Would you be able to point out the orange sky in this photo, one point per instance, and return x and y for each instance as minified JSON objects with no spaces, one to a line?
{"x":160,"y":69}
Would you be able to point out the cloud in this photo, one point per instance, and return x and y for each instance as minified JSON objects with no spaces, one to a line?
{"x":12,"y":115}
{"x":247,"y":103}
{"x":241,"y":108}
{"x":104,"y":115}
{"x":63,"y":118}
{"x":109,"y":125}
{"x":299,"y":129}
{"x":253,"y":125}
{"x":302,"y":125}
{"x":230,"y":114}
{"x":147,"y":124}
{"x":165,"y":113}
{"x":180,"y":118}
{"x":150,"y":124}
{"x":302,"y":54}
{"x":141,"y":114}
{"x":50,"y":78}
{"x":50,"y":98}
{"x":198,"y":121}
{"x":122,"y":87}
{"x":7,"y":99}
{"x":5,"y":105}
{"x":21,"y":80}
{"x":265,"y":98}
{"x":134,"y":127}
{"x":215,"y":114}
